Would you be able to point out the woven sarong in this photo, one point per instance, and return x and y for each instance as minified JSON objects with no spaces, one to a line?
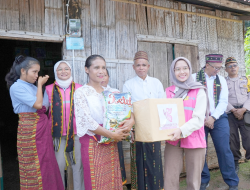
{"x":101,"y":165}
{"x":122,"y":164}
{"x":38,"y":168}
{"x":146,"y":166}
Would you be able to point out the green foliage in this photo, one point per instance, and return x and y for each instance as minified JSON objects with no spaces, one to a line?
{"x":247,"y":51}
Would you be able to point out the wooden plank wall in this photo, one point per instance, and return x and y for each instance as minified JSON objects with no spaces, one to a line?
{"x":109,"y":28}
{"x":41,"y":16}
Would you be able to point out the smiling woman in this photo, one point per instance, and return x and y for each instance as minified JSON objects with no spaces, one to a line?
{"x":100,"y":161}
{"x":60,"y":102}
{"x":188,"y":139}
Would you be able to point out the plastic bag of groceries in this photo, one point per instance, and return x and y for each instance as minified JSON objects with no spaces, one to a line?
{"x":117,"y":108}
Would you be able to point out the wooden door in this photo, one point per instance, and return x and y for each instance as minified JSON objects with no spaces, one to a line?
{"x":189,"y":52}
{"x":160,"y":58}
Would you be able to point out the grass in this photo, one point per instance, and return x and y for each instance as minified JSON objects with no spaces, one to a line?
{"x":216,"y":180}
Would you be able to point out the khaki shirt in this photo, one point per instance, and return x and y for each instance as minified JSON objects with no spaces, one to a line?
{"x":238,"y":93}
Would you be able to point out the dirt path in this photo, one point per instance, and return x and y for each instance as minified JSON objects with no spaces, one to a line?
{"x":217,"y":183}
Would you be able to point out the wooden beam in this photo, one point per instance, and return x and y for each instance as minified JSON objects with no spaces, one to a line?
{"x":228,"y":4}
{"x":69,"y":58}
{"x":244,"y":17}
{"x":150,"y":38}
{"x":32,"y":36}
{"x":178,"y":11}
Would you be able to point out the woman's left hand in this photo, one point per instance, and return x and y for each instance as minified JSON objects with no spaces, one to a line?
{"x":176,"y":134}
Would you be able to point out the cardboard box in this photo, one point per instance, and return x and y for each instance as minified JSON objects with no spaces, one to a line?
{"x":155,"y":119}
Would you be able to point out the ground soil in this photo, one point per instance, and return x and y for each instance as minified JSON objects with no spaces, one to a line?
{"x":217,"y":183}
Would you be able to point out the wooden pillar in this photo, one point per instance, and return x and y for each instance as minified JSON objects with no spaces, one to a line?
{"x":1,"y":171}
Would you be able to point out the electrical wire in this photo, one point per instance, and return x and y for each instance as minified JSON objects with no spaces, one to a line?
{"x":67,"y":18}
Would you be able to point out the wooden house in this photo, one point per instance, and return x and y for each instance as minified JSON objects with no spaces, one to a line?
{"x":117,"y":29}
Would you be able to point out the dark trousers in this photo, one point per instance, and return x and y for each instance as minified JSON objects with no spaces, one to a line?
{"x":235,"y":126}
{"x":220,"y":136}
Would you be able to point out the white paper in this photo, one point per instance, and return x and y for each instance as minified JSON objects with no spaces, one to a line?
{"x":168,"y":114}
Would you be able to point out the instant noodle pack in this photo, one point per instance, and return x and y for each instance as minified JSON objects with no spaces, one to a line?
{"x":117,"y":108}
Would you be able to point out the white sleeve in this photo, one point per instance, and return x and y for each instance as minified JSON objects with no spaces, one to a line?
{"x":161,"y":93}
{"x":194,"y":76}
{"x":223,"y":100}
{"x":198,"y":116}
{"x":84,"y":121}
{"x":126,"y":88}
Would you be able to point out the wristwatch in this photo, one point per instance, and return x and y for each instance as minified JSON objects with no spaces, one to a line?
{"x":214,"y":118}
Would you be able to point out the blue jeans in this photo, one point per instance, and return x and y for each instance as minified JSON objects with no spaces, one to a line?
{"x":220,"y":135}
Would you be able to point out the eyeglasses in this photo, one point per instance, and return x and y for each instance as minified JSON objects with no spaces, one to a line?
{"x":60,"y":70}
{"x":216,"y":68}
{"x":179,"y":69}
{"x":232,"y":66}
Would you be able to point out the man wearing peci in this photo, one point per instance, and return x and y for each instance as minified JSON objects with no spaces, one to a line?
{"x":146,"y":162}
{"x":217,"y":123}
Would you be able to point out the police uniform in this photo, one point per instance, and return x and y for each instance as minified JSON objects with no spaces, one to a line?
{"x":238,"y":97}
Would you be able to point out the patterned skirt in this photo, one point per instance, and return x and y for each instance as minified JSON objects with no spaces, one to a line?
{"x":146,"y":166}
{"x":38,"y":168}
{"x":101,"y":165}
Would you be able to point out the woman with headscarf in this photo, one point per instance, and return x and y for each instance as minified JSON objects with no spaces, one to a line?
{"x":190,"y":137}
{"x":59,"y":96}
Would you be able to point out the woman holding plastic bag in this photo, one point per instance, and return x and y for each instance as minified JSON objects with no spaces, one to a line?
{"x":100,"y":161}
{"x":189,"y":138}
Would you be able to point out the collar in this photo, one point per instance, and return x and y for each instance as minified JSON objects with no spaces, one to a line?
{"x":234,"y":79}
{"x":61,"y":87}
{"x":210,"y":78}
{"x":24,"y":82}
{"x":106,"y":88}
{"x":87,"y":86}
{"x":141,"y":80}
{"x":176,"y":89}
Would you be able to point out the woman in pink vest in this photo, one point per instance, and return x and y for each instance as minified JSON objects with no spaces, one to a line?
{"x":190,"y":137}
{"x":60,"y":101}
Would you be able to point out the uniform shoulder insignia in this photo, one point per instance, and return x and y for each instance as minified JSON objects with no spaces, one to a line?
{"x":248,"y":84}
{"x":243,"y":78}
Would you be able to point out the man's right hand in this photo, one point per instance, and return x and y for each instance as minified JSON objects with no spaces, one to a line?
{"x":209,"y":122}
{"x":119,"y":134}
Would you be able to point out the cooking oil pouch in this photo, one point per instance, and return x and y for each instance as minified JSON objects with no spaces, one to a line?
{"x":117,"y":108}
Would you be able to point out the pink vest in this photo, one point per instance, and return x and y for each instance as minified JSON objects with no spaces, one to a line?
{"x":66,"y":106}
{"x":197,"y":139}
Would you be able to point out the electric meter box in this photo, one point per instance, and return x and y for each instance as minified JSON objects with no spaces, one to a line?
{"x":74,"y":27}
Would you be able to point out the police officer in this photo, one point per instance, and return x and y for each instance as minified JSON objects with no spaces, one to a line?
{"x":238,"y":104}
